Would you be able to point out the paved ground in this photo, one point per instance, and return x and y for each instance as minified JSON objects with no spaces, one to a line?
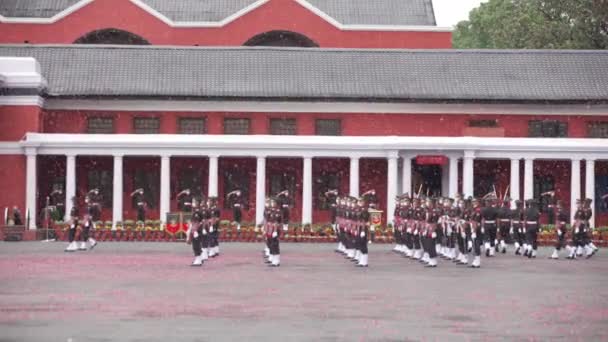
{"x":146,"y":292}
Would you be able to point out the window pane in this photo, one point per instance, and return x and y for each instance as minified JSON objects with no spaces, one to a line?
{"x":236,"y":126}
{"x":598,"y":130}
{"x":192,"y":126}
{"x":100,"y":125}
{"x":547,"y":129}
{"x":283,"y":126}
{"x":146,"y":125}
{"x":328,"y":127}
{"x":483,"y":123}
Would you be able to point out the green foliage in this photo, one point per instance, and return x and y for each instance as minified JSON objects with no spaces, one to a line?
{"x":535,"y":24}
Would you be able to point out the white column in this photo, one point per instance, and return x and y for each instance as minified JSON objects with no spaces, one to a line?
{"x":514,"y":186}
{"x":575,"y":185}
{"x":165,"y":186}
{"x":354,"y":176}
{"x":30,"y":188}
{"x":453,"y":179}
{"x":406,"y":175}
{"x":528,"y":179}
{"x":260,"y":189}
{"x":213,"y":161}
{"x":391,"y":190}
{"x":445,"y":178}
{"x":590,"y":187}
{"x":467,"y":174}
{"x":117,"y":192}
{"x":307,"y":191}
{"x":70,"y":184}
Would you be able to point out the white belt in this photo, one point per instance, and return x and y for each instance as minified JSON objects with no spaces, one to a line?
{"x":532,"y":222}
{"x":515,"y":221}
{"x":490,"y":221}
{"x":505,"y":220}
{"x":285,"y":205}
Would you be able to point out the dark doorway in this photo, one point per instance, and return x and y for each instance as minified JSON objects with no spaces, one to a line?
{"x":427,"y":176}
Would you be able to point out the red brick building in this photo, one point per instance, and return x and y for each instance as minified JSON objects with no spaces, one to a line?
{"x":272,"y":94}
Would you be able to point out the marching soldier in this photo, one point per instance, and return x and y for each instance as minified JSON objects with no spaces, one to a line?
{"x":17,"y":219}
{"x":93,"y":209}
{"x":517,"y":227}
{"x":551,"y":205}
{"x":236,"y":203}
{"x":340,"y":224}
{"x":57,"y":199}
{"x":206,"y":228}
{"x":398,"y":228}
{"x":431,"y":232}
{"x":578,"y":231}
{"x":332,"y":200}
{"x":461,"y":219}
{"x":531,"y":215}
{"x":195,"y":234}
{"x":267,"y":229}
{"x":406,"y":214}
{"x":284,"y":203}
{"x":214,"y":227}
{"x":95,"y":204}
{"x":140,"y":202}
{"x":74,"y":214}
{"x":418,"y":215}
{"x":489,"y":215}
{"x":276,"y":220}
{"x":363,"y":223}
{"x":561,"y":219}
{"x":504,"y":224}
{"x":184,"y":201}
{"x":588,"y":213}
{"x":370,"y":198}
{"x":476,"y":232}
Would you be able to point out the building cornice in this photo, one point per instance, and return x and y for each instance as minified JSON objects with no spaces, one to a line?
{"x":53,"y":19}
{"x":324,"y":107}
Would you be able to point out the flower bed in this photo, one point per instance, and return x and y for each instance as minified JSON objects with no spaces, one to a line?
{"x":316,"y":233}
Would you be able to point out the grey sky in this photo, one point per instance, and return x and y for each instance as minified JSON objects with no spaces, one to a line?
{"x":449,"y":12}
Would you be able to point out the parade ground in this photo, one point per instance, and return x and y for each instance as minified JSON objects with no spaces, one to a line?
{"x":148,"y":292}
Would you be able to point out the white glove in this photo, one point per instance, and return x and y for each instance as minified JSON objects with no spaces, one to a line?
{"x":463,"y":235}
{"x":470,"y":244}
{"x":238,"y":227}
{"x":409,"y":230}
{"x":195,"y":235}
{"x":474,"y":236}
{"x":362,"y":234}
{"x":576,"y":231}
{"x":211,"y":229}
{"x":434,"y":235}
{"x":415,"y":232}
{"x":559,"y":232}
{"x":73,"y":226}
{"x":482,"y":230}
{"x":274,"y":234}
{"x":511,"y":231}
{"x":204,"y":232}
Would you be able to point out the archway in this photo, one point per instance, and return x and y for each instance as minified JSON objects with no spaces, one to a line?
{"x":281,"y":38}
{"x":111,"y":36}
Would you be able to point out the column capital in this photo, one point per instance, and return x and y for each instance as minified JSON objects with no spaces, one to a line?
{"x":576,"y":159}
{"x":213,"y":155}
{"x":354,"y":157}
{"x":407,"y":155}
{"x":31,"y":151}
{"x":469,"y":154}
{"x":261,"y":156}
{"x":71,"y":154}
{"x":515,"y":159}
{"x":590,"y":160}
{"x":118,"y":154}
{"x":165,"y":155}
{"x":392,"y":154}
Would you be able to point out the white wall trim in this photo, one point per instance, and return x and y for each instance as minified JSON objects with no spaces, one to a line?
{"x":326,"y":107}
{"x":315,"y":146}
{"x":21,"y":101}
{"x":337,"y":24}
{"x":212,"y":24}
{"x":21,"y":72}
{"x":13,"y":148}
{"x":55,"y":18}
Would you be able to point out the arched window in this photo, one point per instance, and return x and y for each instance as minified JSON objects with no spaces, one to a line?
{"x":281,"y":38}
{"x":111,"y":36}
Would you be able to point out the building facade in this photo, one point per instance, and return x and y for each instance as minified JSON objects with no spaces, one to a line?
{"x":268,"y":95}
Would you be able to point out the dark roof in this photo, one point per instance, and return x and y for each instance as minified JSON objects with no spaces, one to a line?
{"x":33,"y":8}
{"x":385,"y":12}
{"x":197,"y":10}
{"x":309,"y":73}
